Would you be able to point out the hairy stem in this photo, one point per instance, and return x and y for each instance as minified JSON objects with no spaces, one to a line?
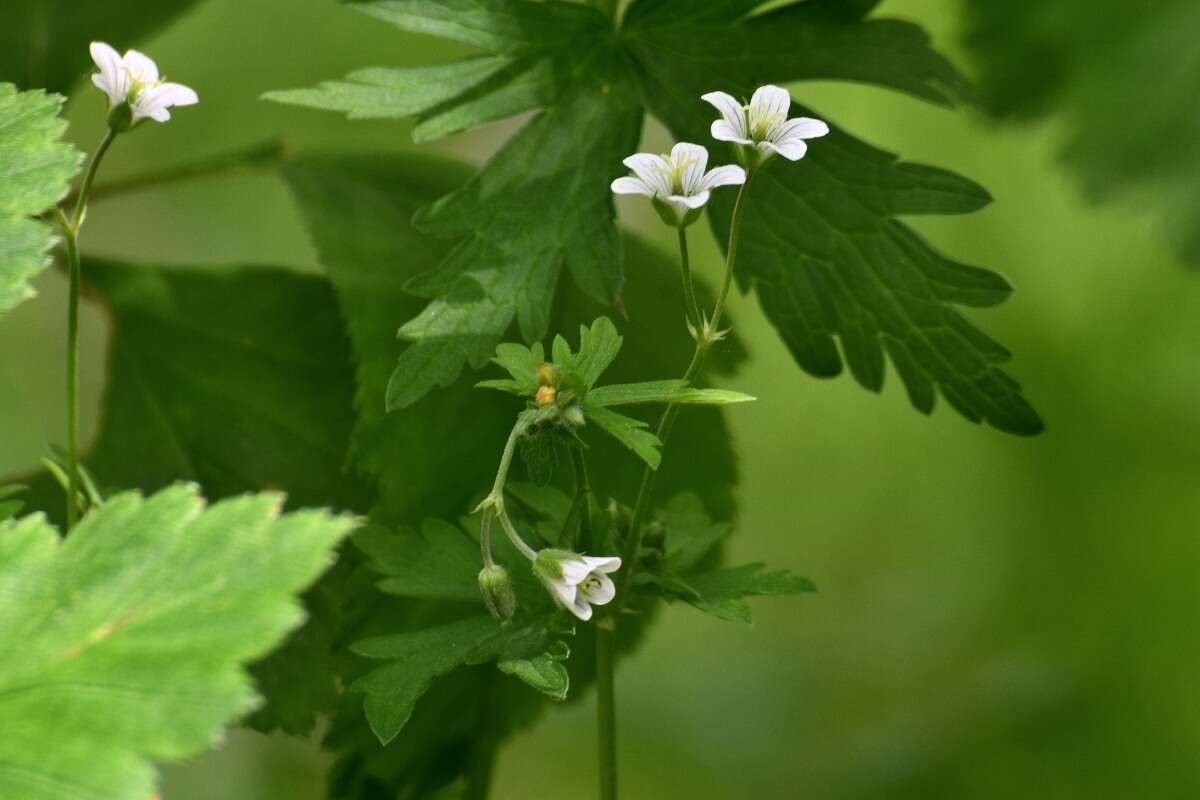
{"x":74,"y":275}
{"x":704,"y":341}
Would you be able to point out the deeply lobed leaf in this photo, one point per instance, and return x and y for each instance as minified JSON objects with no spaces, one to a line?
{"x":133,"y":630}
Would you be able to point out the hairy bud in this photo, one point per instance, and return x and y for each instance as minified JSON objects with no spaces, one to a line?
{"x":498,"y":595}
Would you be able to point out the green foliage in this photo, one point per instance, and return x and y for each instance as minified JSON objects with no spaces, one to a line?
{"x":44,"y":43}
{"x":630,"y":432}
{"x":526,"y":647}
{"x":624,"y":394}
{"x":10,"y":500}
{"x":821,"y":242}
{"x":424,"y":461}
{"x":132,"y":632}
{"x":1124,"y":77}
{"x":691,"y":538}
{"x":35,"y":172}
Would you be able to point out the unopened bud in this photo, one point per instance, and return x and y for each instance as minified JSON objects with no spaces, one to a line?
{"x":498,"y":596}
{"x":546,"y":395}
{"x":574,"y":415}
{"x":546,"y":374}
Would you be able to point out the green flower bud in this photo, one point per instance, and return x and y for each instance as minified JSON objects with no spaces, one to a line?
{"x":497,"y":591}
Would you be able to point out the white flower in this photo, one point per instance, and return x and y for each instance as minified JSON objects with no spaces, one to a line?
{"x":133,"y":79}
{"x":678,"y":179}
{"x":577,"y":582}
{"x":764,"y":123}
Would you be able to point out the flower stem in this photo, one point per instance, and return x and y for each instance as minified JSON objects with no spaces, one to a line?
{"x":606,"y":708}
{"x":70,"y":233}
{"x":704,"y":341}
{"x":689,"y":290}
{"x":494,"y":502}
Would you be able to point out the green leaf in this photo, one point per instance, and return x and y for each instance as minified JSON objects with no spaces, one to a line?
{"x":10,"y":501}
{"x":132,"y":632}
{"x":439,"y":561}
{"x":237,"y":378}
{"x":44,"y":43}
{"x":539,"y":454}
{"x":418,"y":657}
{"x":35,"y":173}
{"x":598,"y":348}
{"x":630,"y":432}
{"x":621,"y":394}
{"x":508,"y":260}
{"x":821,"y":243}
{"x":1080,"y":60}
{"x":721,"y":592}
{"x":544,"y":672}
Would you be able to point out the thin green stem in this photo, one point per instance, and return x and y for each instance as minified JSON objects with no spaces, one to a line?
{"x":606,"y":708}
{"x":582,"y":504}
{"x":689,"y":290}
{"x":75,"y":277}
{"x":704,"y":341}
{"x":485,"y":538}
{"x":494,"y":502}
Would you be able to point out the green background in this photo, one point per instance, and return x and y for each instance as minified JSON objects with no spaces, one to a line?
{"x":997,"y":617}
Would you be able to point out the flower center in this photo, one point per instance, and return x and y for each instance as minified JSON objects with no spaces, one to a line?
{"x":761,"y":124}
{"x":590,"y":583}
{"x":674,"y":172}
{"x":137,"y":85}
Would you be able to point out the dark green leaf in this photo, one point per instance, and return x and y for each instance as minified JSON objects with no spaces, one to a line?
{"x":44,"y":43}
{"x":133,"y":631}
{"x":630,"y":432}
{"x":1124,"y":78}
{"x":821,"y":243}
{"x":440,"y":561}
{"x":35,"y":173}
{"x":539,"y":454}
{"x":544,"y":672}
{"x":721,"y":592}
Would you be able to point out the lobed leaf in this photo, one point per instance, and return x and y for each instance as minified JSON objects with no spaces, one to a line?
{"x":36,"y":169}
{"x":134,"y":629}
{"x":630,"y":432}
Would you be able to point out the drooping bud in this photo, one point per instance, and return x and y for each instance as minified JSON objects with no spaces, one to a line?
{"x":497,"y":591}
{"x":545,"y":396}
{"x":546,"y":374}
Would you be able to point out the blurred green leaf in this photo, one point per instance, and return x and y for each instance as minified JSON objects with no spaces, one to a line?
{"x":10,"y":501}
{"x":237,"y":378}
{"x":132,"y":632}
{"x":622,"y":394}
{"x":1125,"y":77}
{"x":820,"y":243}
{"x":44,"y":43}
{"x":35,"y":173}
{"x":439,"y":561}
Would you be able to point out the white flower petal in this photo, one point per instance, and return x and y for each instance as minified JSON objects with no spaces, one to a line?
{"x":801,"y":128}
{"x":175,"y":94}
{"x":581,"y":609}
{"x":564,"y":593}
{"x":141,"y":66}
{"x":574,"y":570}
{"x":694,"y":160}
{"x":731,"y":112}
{"x":602,"y":564}
{"x":792,"y":149}
{"x":728,"y":175}
{"x":631,"y":185}
{"x":722,"y":131}
{"x":652,"y":170}
{"x":599,"y":591}
{"x":770,"y":101}
{"x":112,"y":79}
{"x":689,"y":202}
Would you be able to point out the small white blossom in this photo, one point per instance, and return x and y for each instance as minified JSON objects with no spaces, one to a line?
{"x":764,"y":123}
{"x":577,"y":582}
{"x":679,"y":180}
{"x":133,"y":79}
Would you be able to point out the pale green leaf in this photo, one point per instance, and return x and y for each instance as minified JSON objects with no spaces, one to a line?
{"x":36,"y":169}
{"x":620,"y":394}
{"x":133,"y":631}
{"x":544,"y":672}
